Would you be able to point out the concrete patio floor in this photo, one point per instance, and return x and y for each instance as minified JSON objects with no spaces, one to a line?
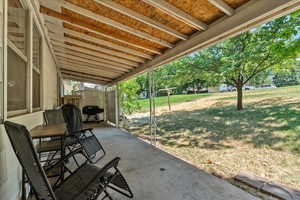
{"x":156,"y":175}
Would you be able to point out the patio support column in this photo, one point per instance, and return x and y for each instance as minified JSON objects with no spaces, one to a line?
{"x":29,"y":56}
{"x":117,"y":104}
{"x":152,"y":108}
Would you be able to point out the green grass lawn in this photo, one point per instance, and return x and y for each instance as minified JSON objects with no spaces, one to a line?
{"x":264,"y":138}
{"x":163,"y":101}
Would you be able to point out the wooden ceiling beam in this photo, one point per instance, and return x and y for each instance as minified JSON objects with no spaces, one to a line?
{"x":139,"y":17}
{"x":85,"y":68}
{"x":222,"y":6}
{"x":177,"y":13}
{"x":82,"y":79}
{"x":84,"y":74}
{"x":62,"y":38}
{"x":107,"y":44}
{"x":95,"y":53}
{"x":94,"y":63}
{"x":83,"y":55}
{"x":246,"y":17}
{"x":110,"y":22}
{"x":49,"y":21}
{"x":87,"y":60}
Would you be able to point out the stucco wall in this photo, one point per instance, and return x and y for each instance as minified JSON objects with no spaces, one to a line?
{"x":10,"y":170}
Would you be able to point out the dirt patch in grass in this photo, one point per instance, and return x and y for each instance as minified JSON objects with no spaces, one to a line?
{"x":263,"y":139}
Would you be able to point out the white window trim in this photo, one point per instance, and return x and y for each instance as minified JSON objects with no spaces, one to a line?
{"x":16,"y":112}
{"x":16,"y":50}
{"x":35,"y":68}
{"x":23,"y":56}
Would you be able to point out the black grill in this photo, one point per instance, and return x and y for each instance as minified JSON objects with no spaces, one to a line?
{"x":92,"y":111}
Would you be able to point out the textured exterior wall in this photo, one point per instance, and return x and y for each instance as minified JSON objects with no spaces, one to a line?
{"x":10,"y":170}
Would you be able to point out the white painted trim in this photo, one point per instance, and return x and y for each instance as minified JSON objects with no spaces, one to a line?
{"x":117,"y":105}
{"x":177,"y":13}
{"x":222,"y":6}
{"x":4,"y":37}
{"x":16,"y":112}
{"x":139,"y":17}
{"x":37,"y":15}
{"x":29,"y":45}
{"x":17,"y":50}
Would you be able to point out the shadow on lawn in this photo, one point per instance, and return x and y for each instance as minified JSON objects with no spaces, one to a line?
{"x":264,"y":123}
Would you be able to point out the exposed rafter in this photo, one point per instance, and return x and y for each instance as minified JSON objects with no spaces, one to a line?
{"x":50,"y":24}
{"x":252,"y":14}
{"x":107,"y":44}
{"x":116,"y":24}
{"x":84,"y":68}
{"x":126,"y":11}
{"x":87,"y":37}
{"x":60,"y":37}
{"x":71,"y":55}
{"x":80,"y":66}
{"x":71,"y":46}
{"x":96,"y":64}
{"x":82,"y":79}
{"x":222,"y":6}
{"x":94,"y":58}
{"x":177,"y":13}
{"x":75,"y":73}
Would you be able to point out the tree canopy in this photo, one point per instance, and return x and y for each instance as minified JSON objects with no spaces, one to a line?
{"x":240,"y":60}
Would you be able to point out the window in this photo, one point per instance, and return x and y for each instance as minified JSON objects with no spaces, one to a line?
{"x":16,"y":59}
{"x":36,"y":69}
{"x":16,"y":25}
{"x":16,"y":85}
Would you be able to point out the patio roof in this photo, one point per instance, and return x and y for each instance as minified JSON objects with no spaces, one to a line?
{"x":107,"y":41}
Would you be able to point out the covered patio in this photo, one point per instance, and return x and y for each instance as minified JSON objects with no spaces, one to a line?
{"x":44,"y":42}
{"x":155,"y":174}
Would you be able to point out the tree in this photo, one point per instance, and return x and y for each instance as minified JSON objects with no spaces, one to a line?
{"x":241,"y":58}
{"x":128,"y":96}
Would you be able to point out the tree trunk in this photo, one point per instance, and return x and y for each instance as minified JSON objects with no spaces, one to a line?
{"x":239,"y":90}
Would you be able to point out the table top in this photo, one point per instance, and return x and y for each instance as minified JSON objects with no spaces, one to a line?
{"x":48,"y":131}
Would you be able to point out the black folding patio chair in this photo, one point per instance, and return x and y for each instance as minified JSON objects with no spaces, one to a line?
{"x":87,"y":182}
{"x":51,"y":147}
{"x":88,"y":141}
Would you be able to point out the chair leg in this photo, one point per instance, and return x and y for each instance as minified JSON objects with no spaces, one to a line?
{"x":73,"y":157}
{"x":107,"y":195}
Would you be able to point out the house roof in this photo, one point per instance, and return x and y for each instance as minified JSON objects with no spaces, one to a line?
{"x":106,"y":41}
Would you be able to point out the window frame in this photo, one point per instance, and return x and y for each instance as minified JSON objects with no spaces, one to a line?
{"x":24,"y":56}
{"x":2,"y":60}
{"x":35,"y":68}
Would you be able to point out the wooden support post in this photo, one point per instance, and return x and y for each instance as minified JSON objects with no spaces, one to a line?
{"x":169,"y":100}
{"x":117,"y":105}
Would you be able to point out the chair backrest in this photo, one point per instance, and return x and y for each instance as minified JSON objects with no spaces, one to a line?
{"x":72,"y":116}
{"x":26,"y":154}
{"x":53,"y":116}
